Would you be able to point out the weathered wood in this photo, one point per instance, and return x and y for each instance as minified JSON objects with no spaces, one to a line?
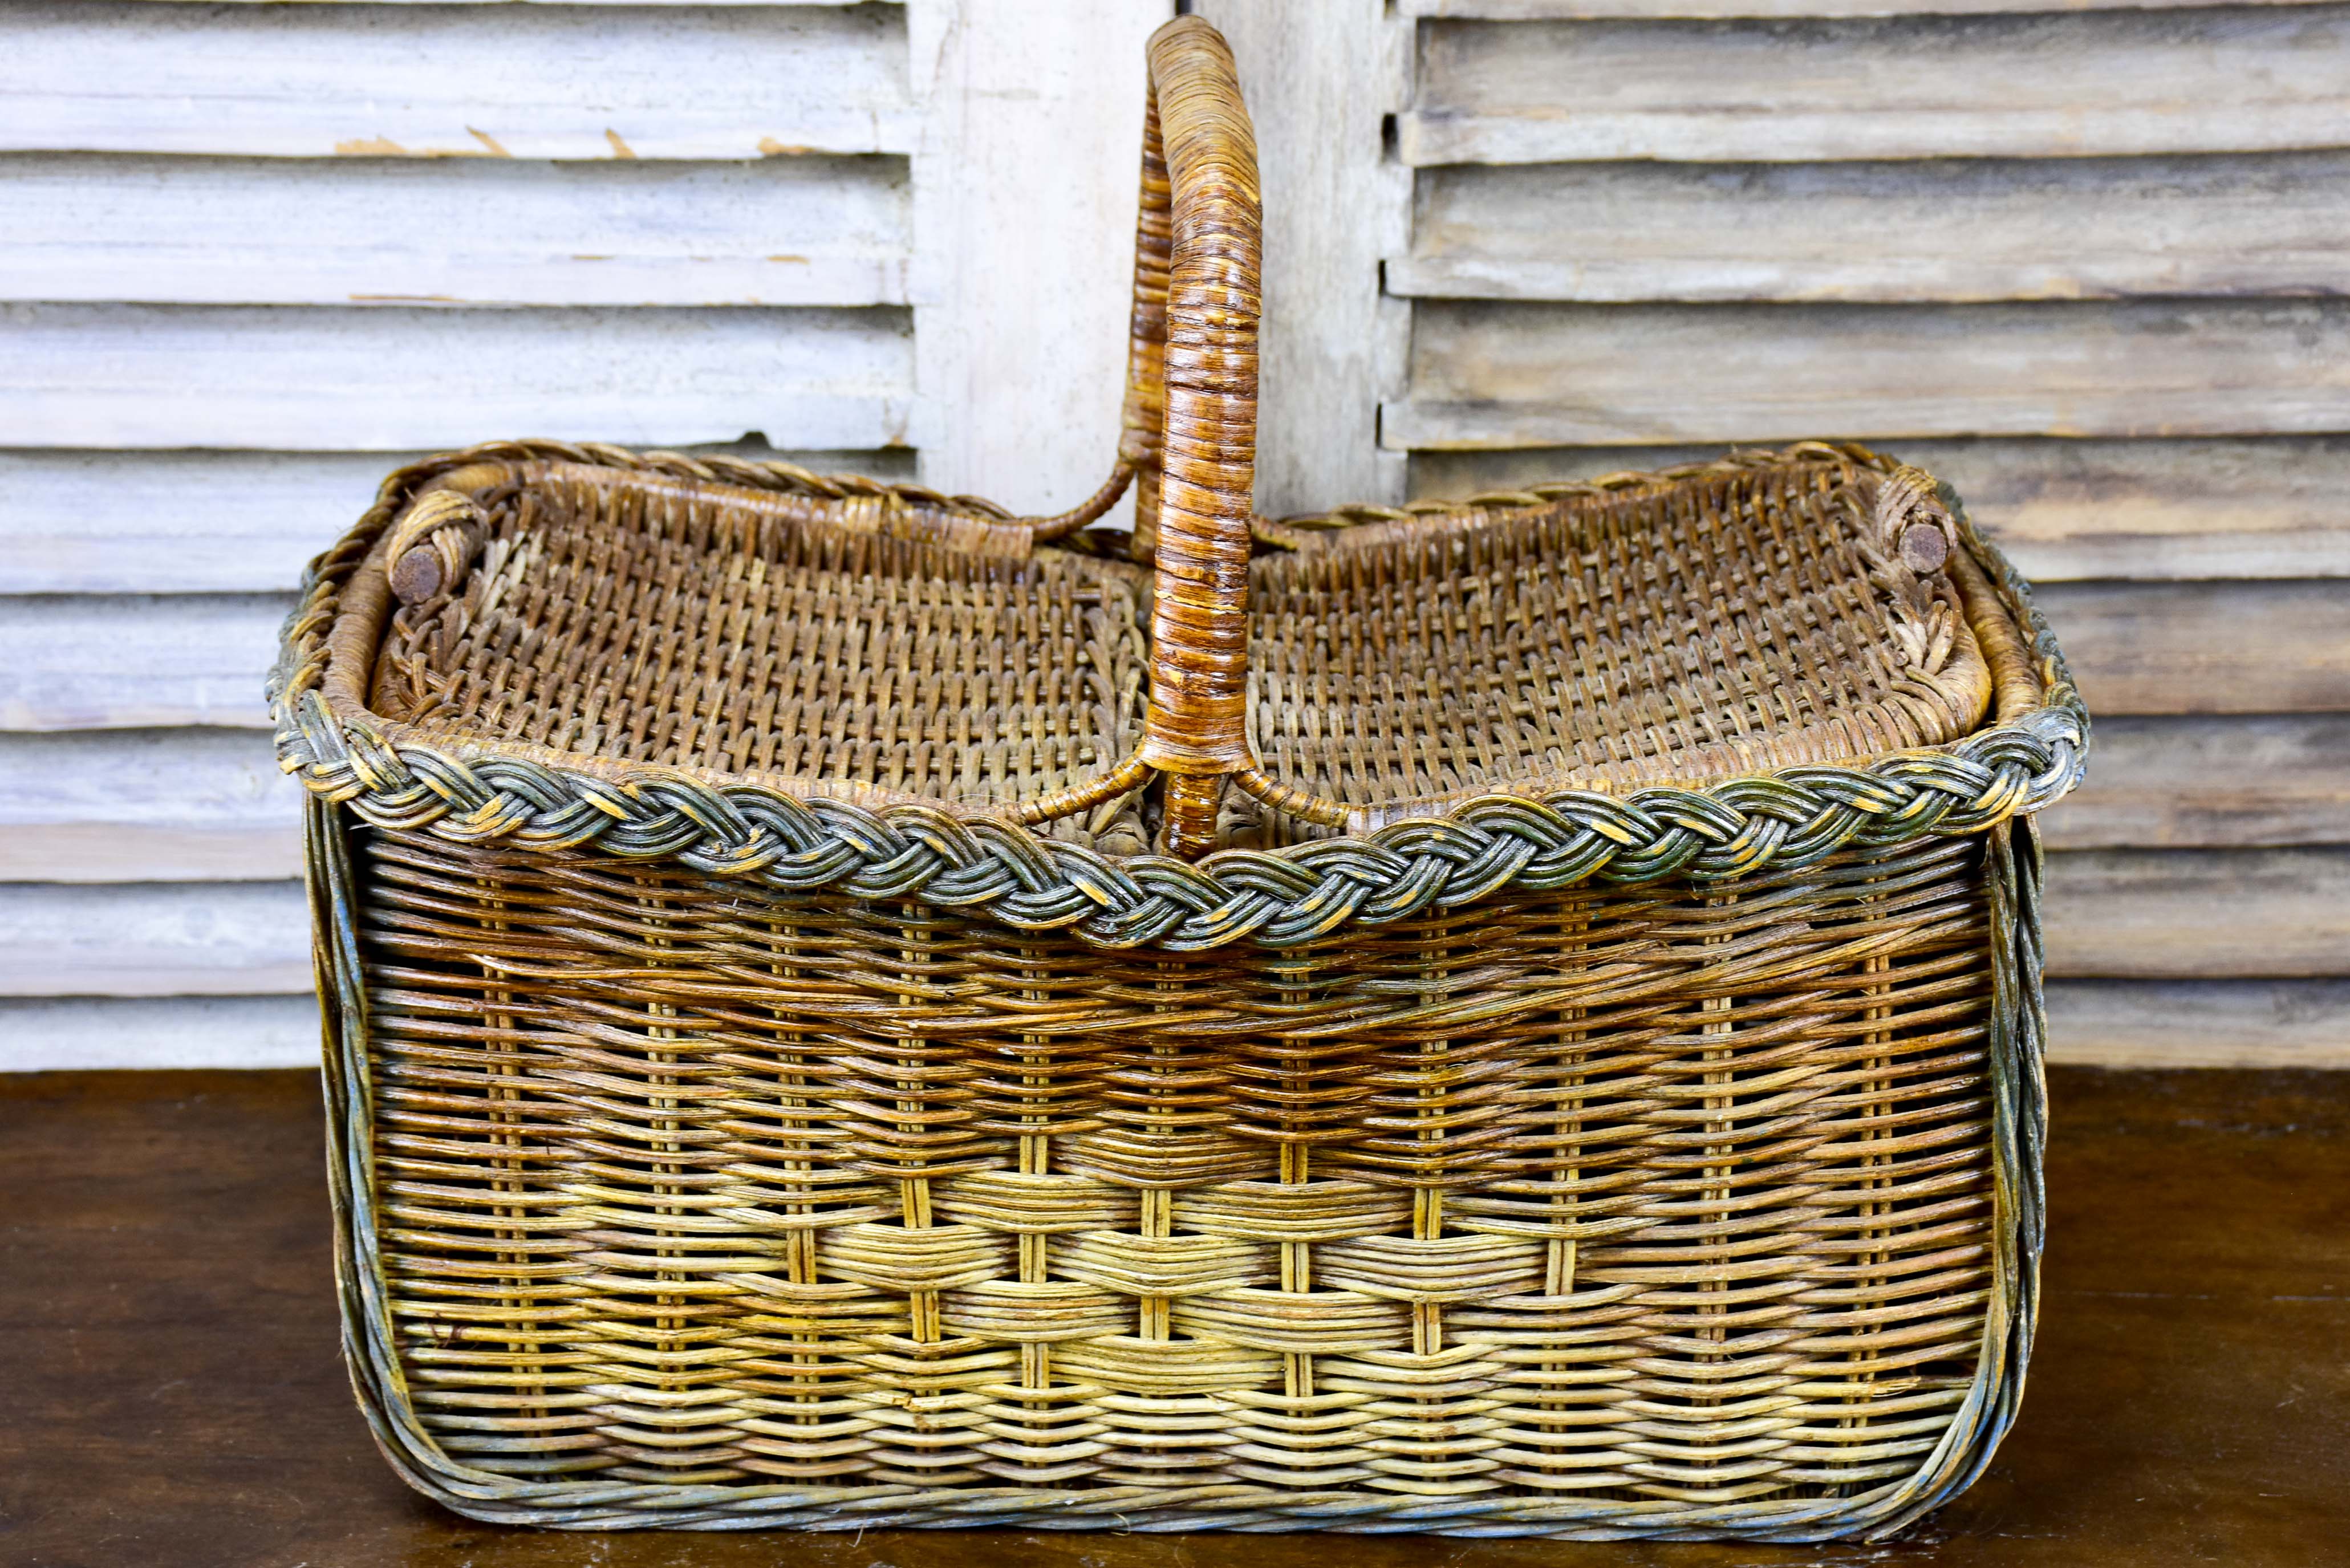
{"x":775,"y":231}
{"x":2239,"y":782}
{"x":1938,"y":230}
{"x":2273,"y":508}
{"x":147,"y":805}
{"x":2187,"y":914}
{"x":1499,"y":375}
{"x":2199,"y":1024}
{"x":2072,"y":85}
{"x":2205,"y":647}
{"x":130,"y":661}
{"x":1025,"y":198}
{"x":1798,"y":10}
{"x":399,"y":378}
{"x":469,"y":81}
{"x":43,"y":1035}
{"x":221,"y":938}
{"x":221,"y":522}
{"x":1319,"y":83}
{"x":175,"y":1395}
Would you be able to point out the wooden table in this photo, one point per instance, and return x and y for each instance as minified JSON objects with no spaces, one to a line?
{"x":170,"y":1394}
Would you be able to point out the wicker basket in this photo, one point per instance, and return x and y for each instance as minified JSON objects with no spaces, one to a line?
{"x":1591,"y":1089}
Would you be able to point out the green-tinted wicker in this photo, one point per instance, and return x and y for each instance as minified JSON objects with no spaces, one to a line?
{"x":1591,"y":1089}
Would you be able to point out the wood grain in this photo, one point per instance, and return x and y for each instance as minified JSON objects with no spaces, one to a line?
{"x":2239,"y":782}
{"x":130,"y":661}
{"x":2199,"y":1024}
{"x":1499,"y":375}
{"x":2151,"y":510}
{"x":1953,"y":229}
{"x":2080,"y":84}
{"x":2188,"y":914}
{"x":147,"y":805}
{"x":222,"y":939}
{"x":2205,"y":647}
{"x":47,"y":1034}
{"x":1023,"y":213}
{"x":378,"y":231}
{"x":1334,"y":343}
{"x":537,"y":81}
{"x":399,"y":379}
{"x":170,"y":1365}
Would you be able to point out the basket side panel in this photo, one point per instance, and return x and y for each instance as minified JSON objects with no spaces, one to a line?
{"x":1629,"y":1211}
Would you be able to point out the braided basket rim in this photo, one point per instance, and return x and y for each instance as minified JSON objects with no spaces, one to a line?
{"x":966,"y":859}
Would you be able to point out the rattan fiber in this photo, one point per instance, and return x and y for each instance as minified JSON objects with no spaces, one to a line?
{"x":1592,"y":1088}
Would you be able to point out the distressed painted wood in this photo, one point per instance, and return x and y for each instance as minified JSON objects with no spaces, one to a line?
{"x":1954,"y":229}
{"x":234,"y":938}
{"x":1504,"y":375}
{"x":147,"y":805}
{"x":459,"y":81}
{"x":2265,"y":507}
{"x":2184,"y":914}
{"x":2234,"y":782}
{"x":2199,"y":1024}
{"x":1024,"y":222}
{"x":404,"y":378}
{"x":221,"y":522}
{"x":1319,"y":83}
{"x":133,"y":662}
{"x":2079,"y":84}
{"x":2205,"y":647}
{"x":770,"y":231}
{"x":39,"y":1034}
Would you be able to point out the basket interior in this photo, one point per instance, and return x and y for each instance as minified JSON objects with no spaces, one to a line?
{"x":1689,"y":631}
{"x":770,"y":638}
{"x":1685,"y":630}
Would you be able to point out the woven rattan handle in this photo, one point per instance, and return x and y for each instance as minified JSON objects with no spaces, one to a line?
{"x":1194,"y":375}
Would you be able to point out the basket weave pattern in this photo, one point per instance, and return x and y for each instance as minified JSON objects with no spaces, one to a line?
{"x":1591,"y":1089}
{"x":1643,"y":1195}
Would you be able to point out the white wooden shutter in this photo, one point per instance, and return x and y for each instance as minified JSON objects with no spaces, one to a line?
{"x":256,"y":257}
{"x":2091,"y":264}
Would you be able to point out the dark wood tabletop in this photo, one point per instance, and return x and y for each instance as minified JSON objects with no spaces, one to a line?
{"x":170,"y":1392}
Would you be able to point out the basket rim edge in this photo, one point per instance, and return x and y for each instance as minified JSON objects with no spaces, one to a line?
{"x":1534,"y":840}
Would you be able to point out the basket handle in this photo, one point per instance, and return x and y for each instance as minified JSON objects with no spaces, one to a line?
{"x":1190,"y":416}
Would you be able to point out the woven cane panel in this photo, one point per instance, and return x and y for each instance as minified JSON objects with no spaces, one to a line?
{"x":1717,"y":624}
{"x":1637,"y":1193}
{"x":1735,"y":621}
{"x":779,"y":637}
